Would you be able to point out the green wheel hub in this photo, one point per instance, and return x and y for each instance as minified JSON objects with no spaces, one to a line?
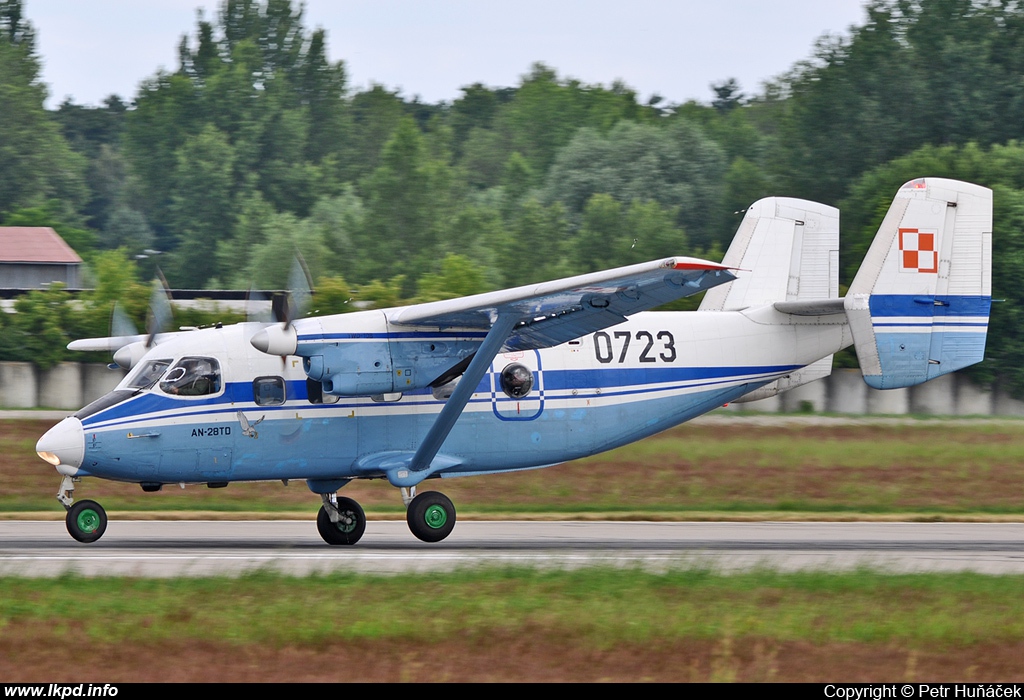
{"x":435,"y":516}
{"x":88,"y":520}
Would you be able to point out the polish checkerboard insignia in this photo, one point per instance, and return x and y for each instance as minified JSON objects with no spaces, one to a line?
{"x":917,"y":251}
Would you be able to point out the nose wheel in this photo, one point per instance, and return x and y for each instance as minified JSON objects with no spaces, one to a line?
{"x":86,"y":521}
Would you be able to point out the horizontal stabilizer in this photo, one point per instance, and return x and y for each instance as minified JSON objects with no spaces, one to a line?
{"x":814,"y":307}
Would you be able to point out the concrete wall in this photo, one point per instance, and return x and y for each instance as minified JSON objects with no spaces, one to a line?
{"x":68,"y":386}
{"x":61,"y":387}
{"x":18,"y":386}
{"x":845,"y":392}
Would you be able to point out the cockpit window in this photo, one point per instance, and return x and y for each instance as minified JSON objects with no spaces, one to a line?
{"x":193,"y":376}
{"x":147,"y":373}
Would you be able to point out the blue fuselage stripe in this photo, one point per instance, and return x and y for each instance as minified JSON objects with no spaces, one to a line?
{"x":556,"y":384}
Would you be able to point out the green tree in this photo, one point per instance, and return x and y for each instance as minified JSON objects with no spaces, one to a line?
{"x":333,"y":296}
{"x":259,"y":81}
{"x":128,"y":229}
{"x":613,"y":235}
{"x":202,"y":207}
{"x":533,"y":247}
{"x":271,"y":262}
{"x":546,"y":112}
{"x":677,"y":166}
{"x":36,"y":163}
{"x":375,"y":114}
{"x":458,"y":277}
{"x":407,"y":200}
{"x":600,"y":234}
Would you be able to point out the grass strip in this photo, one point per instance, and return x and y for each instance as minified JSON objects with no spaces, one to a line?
{"x":594,"y":607}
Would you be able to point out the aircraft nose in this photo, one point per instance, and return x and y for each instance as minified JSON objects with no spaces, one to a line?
{"x":63,"y":446}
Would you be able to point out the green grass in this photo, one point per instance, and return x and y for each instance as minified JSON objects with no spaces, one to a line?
{"x":591,"y":607}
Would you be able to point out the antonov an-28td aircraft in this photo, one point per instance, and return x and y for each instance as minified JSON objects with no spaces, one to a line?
{"x":536,"y":375}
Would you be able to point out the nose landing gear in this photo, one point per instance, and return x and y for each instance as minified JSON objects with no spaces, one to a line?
{"x":86,"y":521}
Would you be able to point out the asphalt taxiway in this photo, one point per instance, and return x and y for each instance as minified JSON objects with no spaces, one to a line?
{"x":203,"y":548}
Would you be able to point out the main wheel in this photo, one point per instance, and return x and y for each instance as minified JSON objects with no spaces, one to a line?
{"x":431,"y":516}
{"x":348,"y":529}
{"x":86,"y":521}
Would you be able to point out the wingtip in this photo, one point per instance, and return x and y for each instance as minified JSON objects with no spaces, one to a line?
{"x":695,"y":264}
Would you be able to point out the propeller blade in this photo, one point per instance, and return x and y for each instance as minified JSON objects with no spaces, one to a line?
{"x":159,"y":309}
{"x":279,"y":308}
{"x":120,"y":323}
{"x":256,"y":309}
{"x":299,"y":290}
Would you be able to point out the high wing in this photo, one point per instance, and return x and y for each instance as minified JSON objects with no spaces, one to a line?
{"x":109,"y":344}
{"x":551,"y":313}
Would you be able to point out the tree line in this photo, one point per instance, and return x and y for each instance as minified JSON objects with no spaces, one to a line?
{"x":256,"y":146}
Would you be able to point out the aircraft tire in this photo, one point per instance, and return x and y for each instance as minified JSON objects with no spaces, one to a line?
{"x":431,"y":516}
{"x":86,"y":521}
{"x":349,"y":530}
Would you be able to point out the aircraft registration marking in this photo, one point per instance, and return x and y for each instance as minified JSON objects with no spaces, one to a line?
{"x":604,"y":351}
{"x":213,"y":431}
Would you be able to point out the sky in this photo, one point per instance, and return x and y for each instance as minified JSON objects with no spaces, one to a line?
{"x":432,"y":48}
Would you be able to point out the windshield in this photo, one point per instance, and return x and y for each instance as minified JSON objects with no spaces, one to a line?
{"x":146,"y":374}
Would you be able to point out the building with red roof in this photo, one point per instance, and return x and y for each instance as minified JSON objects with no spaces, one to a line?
{"x":32,"y":257}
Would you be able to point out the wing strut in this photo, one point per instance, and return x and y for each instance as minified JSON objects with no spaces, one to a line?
{"x":419,"y":468}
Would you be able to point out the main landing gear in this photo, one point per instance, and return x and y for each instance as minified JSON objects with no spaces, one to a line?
{"x":86,"y":520}
{"x":431,"y":517}
{"x":340,"y":520}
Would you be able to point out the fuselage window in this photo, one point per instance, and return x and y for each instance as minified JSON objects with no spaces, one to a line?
{"x":193,"y":376}
{"x":268,"y":391}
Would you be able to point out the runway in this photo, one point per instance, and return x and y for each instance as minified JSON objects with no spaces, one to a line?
{"x":183,"y":548}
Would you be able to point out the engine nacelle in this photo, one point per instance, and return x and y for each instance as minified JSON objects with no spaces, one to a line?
{"x":361,"y":354}
{"x":127,"y":356}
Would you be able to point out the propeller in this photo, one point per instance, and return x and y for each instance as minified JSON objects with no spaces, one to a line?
{"x":286,"y":308}
{"x":255,"y":310}
{"x":160,"y":315}
{"x":121,"y":326}
{"x":120,"y":323}
{"x":300,"y":286}
{"x":158,"y":320}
